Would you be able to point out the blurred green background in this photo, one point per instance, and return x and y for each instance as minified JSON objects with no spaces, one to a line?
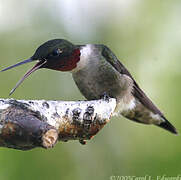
{"x":145,"y":36}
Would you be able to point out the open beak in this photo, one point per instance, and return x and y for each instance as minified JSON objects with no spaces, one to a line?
{"x":33,"y":69}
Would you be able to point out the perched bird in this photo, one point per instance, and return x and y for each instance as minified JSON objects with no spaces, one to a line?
{"x":96,"y":71}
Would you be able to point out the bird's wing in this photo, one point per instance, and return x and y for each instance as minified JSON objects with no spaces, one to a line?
{"x":137,"y":92}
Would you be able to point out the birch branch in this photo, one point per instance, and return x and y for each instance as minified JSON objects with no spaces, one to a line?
{"x":26,"y":124}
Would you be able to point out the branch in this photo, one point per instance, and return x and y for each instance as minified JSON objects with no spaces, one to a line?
{"x":26,"y":124}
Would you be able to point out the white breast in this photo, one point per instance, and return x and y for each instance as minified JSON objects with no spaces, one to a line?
{"x":85,"y":56}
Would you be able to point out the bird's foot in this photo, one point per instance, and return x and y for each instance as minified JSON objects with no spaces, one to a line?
{"x":105,"y":97}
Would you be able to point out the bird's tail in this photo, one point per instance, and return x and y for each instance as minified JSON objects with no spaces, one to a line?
{"x":165,"y":124}
{"x":168,"y":126}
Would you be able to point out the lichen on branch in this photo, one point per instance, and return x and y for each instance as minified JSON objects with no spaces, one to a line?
{"x":26,"y":124}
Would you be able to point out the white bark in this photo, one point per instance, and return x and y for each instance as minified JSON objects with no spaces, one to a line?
{"x":26,"y":120}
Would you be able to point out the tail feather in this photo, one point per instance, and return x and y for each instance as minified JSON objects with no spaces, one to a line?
{"x":168,"y":126}
{"x":141,"y":114}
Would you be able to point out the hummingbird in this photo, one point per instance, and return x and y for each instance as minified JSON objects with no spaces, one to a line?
{"x":97,"y":71}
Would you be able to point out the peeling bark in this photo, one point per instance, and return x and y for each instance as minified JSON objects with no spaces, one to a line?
{"x":26,"y":124}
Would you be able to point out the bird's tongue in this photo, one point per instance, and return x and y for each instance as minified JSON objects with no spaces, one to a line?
{"x":33,"y":69}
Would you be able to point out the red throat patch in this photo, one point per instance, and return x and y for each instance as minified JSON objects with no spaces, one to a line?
{"x":69,"y":63}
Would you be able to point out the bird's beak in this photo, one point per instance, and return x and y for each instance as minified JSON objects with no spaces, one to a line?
{"x":33,"y":69}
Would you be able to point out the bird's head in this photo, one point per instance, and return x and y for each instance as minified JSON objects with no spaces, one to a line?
{"x":56,"y":54}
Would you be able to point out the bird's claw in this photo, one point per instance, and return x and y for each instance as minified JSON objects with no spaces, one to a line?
{"x":105,"y":97}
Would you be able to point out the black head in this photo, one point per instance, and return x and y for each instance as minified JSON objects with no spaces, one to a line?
{"x":53,"y":48}
{"x":56,"y":54}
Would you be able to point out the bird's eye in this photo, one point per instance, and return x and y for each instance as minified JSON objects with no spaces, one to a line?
{"x":56,"y":52}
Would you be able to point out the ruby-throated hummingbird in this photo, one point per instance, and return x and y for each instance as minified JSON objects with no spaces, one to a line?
{"x":96,"y":70}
